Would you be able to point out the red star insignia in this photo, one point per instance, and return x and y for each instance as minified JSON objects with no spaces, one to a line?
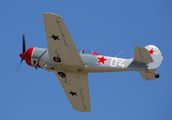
{"x":101,"y":60}
{"x":151,"y":51}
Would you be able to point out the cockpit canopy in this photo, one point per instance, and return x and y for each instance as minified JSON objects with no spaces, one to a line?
{"x":92,"y":52}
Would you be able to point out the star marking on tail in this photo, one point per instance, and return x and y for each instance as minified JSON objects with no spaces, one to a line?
{"x":101,"y":60}
{"x":151,"y":51}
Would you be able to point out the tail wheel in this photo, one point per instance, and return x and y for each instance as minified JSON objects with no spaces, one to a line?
{"x":157,"y":75}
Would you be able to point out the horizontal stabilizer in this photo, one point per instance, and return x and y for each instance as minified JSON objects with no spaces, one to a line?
{"x":142,"y":55}
{"x":149,"y":74}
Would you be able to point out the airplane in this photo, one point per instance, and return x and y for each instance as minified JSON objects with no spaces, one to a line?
{"x":71,"y":67}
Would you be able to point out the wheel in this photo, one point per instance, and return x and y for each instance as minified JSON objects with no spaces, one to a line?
{"x":57,"y":59}
{"x":63,"y":75}
{"x":157,"y":75}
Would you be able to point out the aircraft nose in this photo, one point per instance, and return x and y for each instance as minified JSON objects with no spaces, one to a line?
{"x":27,"y":56}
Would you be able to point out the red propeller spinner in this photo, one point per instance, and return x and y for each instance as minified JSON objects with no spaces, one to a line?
{"x":27,"y":56}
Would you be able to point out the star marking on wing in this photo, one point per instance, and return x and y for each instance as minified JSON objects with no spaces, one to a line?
{"x":151,"y":51}
{"x":73,"y":93}
{"x":54,"y":37}
{"x":101,"y":60}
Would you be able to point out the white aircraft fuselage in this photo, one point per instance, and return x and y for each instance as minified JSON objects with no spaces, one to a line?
{"x":39,"y":57}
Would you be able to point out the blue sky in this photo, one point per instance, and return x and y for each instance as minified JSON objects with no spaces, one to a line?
{"x":107,"y":26}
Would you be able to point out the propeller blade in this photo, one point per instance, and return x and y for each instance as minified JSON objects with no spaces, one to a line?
{"x":24,"y":46}
{"x":19,"y":64}
{"x":24,"y":50}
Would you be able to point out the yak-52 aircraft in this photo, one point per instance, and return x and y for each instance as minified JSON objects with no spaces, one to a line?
{"x":72,"y":67}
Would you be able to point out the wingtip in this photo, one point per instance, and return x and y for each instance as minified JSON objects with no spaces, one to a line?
{"x":82,"y":110}
{"x":48,"y":13}
{"x":86,"y":111}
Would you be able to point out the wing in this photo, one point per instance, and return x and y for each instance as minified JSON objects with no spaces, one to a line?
{"x":76,"y":88}
{"x":60,"y":45}
{"x":62,"y":52}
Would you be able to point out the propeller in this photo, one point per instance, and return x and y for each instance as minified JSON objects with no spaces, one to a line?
{"x":24,"y":50}
{"x":24,"y":55}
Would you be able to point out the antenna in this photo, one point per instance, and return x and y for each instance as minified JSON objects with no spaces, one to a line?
{"x":118,"y":53}
{"x":40,"y":21}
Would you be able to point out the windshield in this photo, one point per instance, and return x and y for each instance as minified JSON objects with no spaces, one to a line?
{"x":92,"y":52}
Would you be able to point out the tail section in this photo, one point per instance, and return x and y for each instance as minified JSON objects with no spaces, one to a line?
{"x":152,"y":57}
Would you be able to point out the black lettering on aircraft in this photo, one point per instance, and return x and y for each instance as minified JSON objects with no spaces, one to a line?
{"x":73,"y":93}
{"x":54,"y":37}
